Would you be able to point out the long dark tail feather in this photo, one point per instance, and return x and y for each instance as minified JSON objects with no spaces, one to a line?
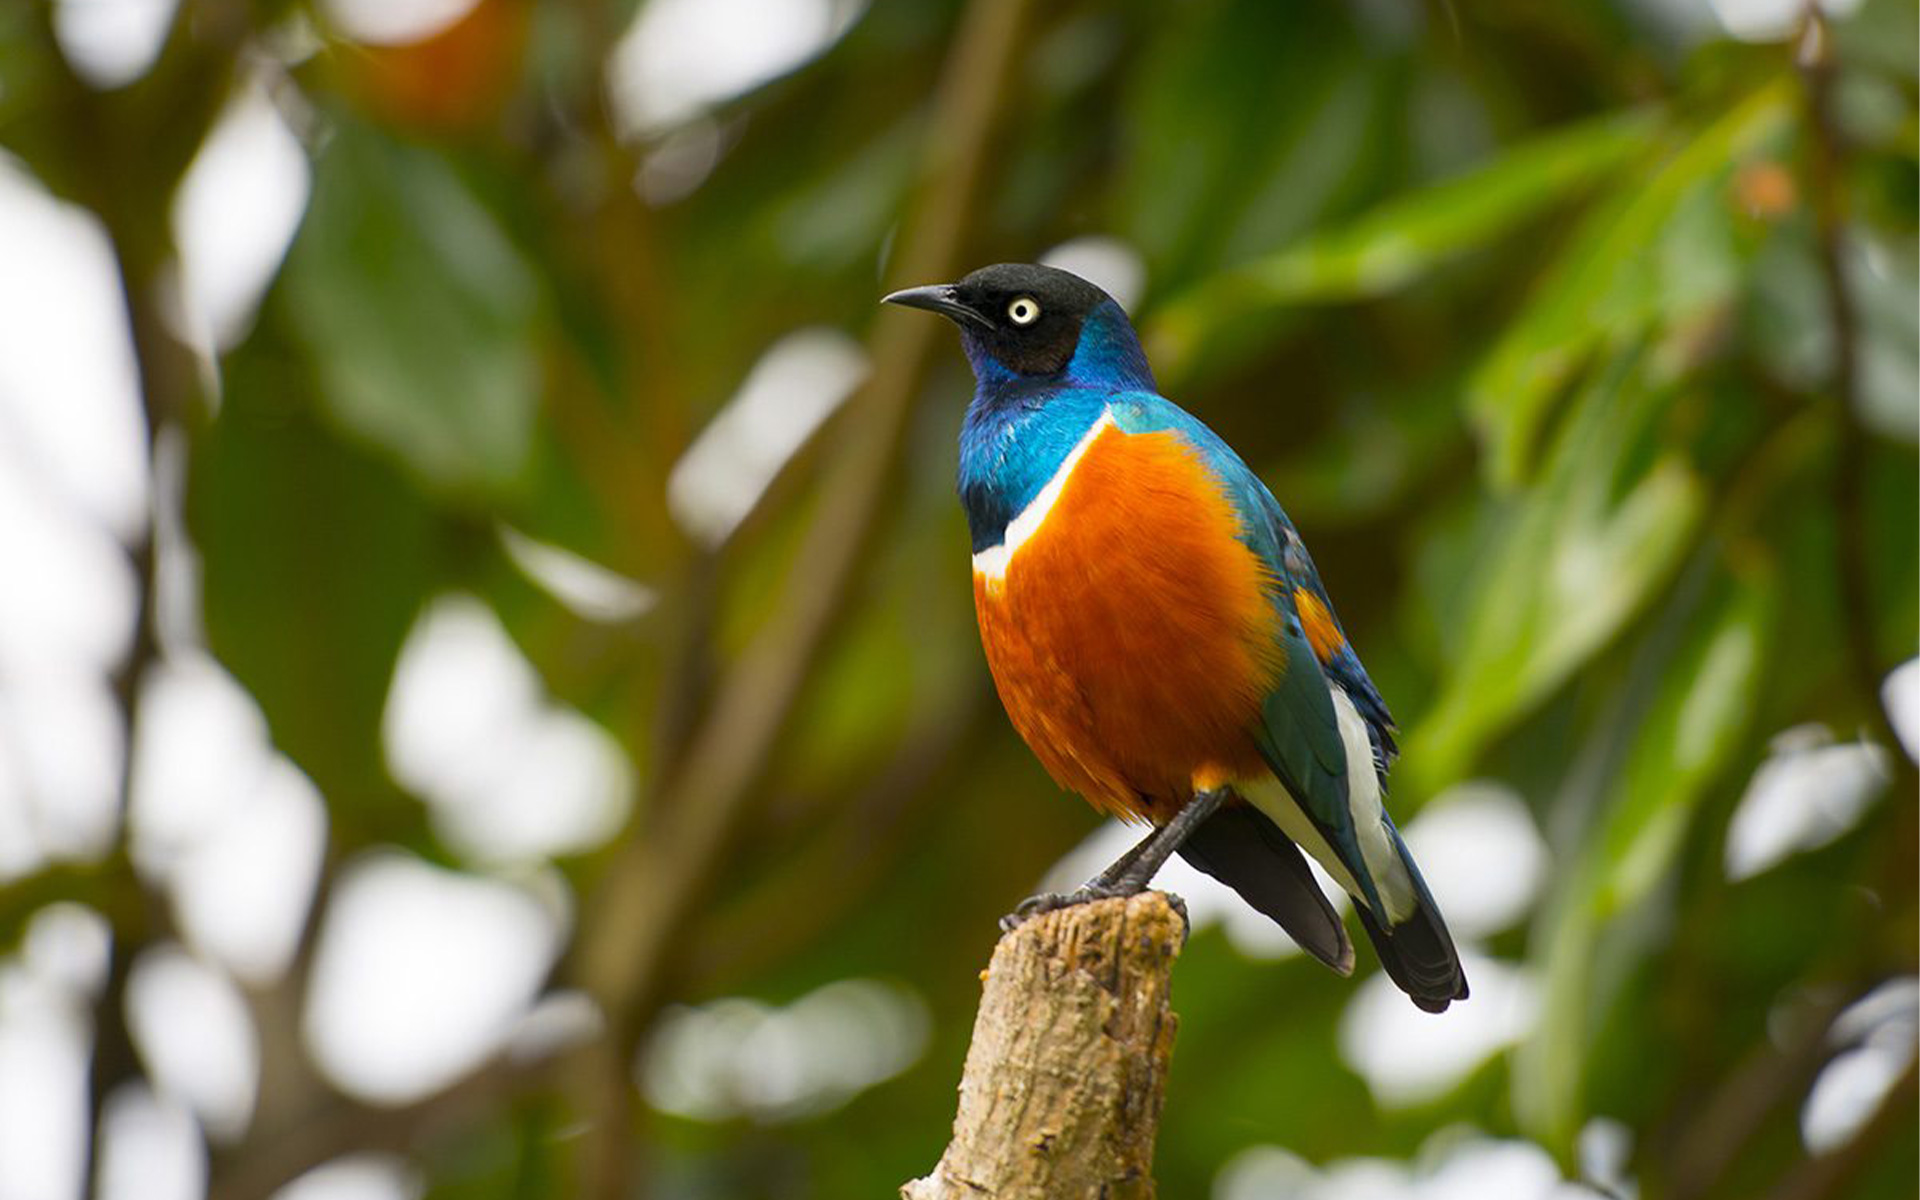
{"x":1418,"y":953}
{"x":1241,"y":848}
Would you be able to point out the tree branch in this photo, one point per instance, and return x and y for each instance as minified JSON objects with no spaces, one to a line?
{"x":128,"y":146}
{"x":1067,"y":1072}
{"x":1831,"y":1174}
{"x":260,"y":1166}
{"x":1826,"y":186}
{"x":1725,"y":1122}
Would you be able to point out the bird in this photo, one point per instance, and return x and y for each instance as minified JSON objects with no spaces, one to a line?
{"x":1160,"y":637}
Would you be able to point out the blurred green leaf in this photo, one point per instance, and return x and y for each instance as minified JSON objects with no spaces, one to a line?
{"x":419,"y":313}
{"x":1401,"y":240}
{"x":1193,"y":181}
{"x":1372,"y":456}
{"x":317,"y":557}
{"x":1319,"y":163}
{"x":835,"y":221}
{"x":1606,"y":286}
{"x":1703,"y":702}
{"x":1882,"y":35}
{"x":1686,"y":740}
{"x":1580,"y":554}
{"x":28,"y":73}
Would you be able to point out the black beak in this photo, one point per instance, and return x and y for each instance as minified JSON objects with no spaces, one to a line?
{"x":942,"y":298}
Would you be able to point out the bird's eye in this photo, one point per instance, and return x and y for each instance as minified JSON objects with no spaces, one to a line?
{"x":1024,"y":311}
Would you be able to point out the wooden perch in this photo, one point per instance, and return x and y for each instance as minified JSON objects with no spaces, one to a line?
{"x":1062,"y":1090}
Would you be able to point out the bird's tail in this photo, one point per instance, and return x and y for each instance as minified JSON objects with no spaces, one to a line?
{"x":1418,"y":952}
{"x":1242,"y":848}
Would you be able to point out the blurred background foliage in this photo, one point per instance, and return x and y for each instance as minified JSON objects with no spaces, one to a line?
{"x":488,"y":697}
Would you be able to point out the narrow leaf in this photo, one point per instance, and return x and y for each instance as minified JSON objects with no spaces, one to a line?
{"x":1580,"y":556}
{"x":1700,"y":712}
{"x":1403,"y":239}
{"x":1607,"y":287}
{"x":418,"y":312}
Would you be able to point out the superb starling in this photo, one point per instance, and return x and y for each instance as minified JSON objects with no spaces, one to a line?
{"x":1159,"y":634}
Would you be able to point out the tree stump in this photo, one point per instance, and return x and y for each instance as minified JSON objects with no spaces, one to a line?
{"x":1061,"y":1095}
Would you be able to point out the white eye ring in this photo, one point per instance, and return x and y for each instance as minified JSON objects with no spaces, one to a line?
{"x":1025,"y":310}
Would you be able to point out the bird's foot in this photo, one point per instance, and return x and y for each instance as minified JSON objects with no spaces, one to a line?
{"x":1086,"y":893}
{"x":1046,"y":902}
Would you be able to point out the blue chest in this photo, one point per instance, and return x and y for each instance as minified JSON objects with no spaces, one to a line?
{"x":1009,"y":451}
{"x":1018,"y":430}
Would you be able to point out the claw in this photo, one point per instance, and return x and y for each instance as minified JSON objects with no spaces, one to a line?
{"x":1046,"y":902}
{"x":1180,"y":906}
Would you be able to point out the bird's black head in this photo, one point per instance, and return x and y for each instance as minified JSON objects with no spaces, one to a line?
{"x":1025,"y":317}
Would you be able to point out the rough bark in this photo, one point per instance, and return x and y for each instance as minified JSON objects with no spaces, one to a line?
{"x":1065,"y":1078}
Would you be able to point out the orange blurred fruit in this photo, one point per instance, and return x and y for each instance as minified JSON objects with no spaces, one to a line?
{"x":453,"y":80}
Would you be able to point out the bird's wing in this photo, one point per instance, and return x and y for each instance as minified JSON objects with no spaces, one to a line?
{"x":1328,"y":639}
{"x":1299,"y":732}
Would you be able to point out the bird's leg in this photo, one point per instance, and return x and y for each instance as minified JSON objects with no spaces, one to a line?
{"x":1118,"y":867}
{"x":1152,"y":854}
{"x":1097,"y":888}
{"x":1132,"y":871}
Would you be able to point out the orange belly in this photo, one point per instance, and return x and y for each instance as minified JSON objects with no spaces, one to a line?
{"x":1132,"y":637}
